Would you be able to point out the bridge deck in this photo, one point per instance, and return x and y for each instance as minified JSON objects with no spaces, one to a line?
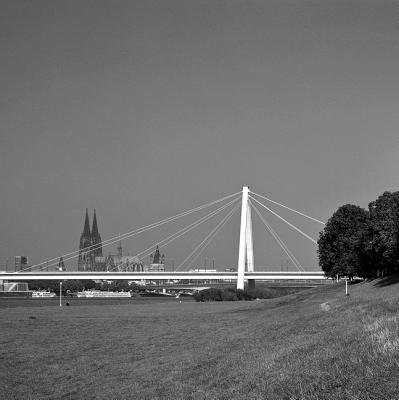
{"x":135,"y":276}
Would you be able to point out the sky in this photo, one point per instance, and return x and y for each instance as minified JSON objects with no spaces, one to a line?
{"x":145,"y":109}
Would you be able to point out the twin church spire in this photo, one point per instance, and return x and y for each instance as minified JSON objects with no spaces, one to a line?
{"x":90,"y":246}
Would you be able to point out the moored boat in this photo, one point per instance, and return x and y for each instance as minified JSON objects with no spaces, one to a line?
{"x":42,"y":294}
{"x":103,"y":294}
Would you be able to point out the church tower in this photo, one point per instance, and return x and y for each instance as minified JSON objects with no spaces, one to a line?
{"x":85,"y":260}
{"x":96,"y":238}
{"x":157,"y":261}
{"x":157,"y":256}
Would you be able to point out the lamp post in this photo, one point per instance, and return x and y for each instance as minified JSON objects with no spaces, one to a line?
{"x":60,"y":294}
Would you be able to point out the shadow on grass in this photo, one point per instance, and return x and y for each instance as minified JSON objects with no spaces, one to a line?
{"x":388,"y":280}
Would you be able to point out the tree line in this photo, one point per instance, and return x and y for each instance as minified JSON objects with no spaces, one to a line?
{"x":82,"y":284}
{"x":362,"y":242}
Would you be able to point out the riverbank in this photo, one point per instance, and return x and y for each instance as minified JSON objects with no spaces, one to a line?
{"x":315,"y":344}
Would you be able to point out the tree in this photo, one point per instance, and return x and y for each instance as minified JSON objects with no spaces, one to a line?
{"x":343,"y":242}
{"x":73,"y":286}
{"x":122,"y":285}
{"x":135,"y":287}
{"x":384,"y":215}
{"x":88,"y":284}
{"x":52,"y":285}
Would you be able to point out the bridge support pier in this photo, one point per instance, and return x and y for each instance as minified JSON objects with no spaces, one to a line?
{"x":246,"y":253}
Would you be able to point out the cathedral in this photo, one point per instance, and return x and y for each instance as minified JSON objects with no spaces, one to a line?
{"x":90,"y":247}
{"x":91,"y":253}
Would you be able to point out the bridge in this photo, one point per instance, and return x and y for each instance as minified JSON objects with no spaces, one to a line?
{"x":164,"y":276}
{"x":245,"y":266}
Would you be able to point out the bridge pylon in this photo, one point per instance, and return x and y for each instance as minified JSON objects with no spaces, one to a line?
{"x":245,"y":252}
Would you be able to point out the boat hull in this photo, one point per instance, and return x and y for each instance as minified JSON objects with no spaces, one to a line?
{"x":103,"y":295}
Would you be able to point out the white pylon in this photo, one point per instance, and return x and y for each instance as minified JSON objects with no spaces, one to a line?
{"x":245,"y":252}
{"x":248,"y":240}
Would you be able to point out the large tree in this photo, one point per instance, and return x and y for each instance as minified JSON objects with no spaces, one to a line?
{"x":344,"y":242}
{"x":384,"y":214}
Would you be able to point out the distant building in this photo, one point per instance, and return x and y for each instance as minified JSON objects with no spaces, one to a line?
{"x":120,"y":263}
{"x":61,"y":265}
{"x":91,"y":254}
{"x":21,"y":263}
{"x":90,"y":247}
{"x":157,"y":262}
{"x":13,"y":288}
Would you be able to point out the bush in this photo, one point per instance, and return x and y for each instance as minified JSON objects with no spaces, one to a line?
{"x":211,"y":294}
{"x":233,"y":294}
{"x":255,"y":293}
{"x":229,"y":294}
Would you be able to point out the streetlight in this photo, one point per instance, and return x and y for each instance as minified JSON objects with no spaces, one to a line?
{"x":60,"y":294}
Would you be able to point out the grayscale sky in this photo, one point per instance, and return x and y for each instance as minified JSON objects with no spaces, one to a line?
{"x":144,"y":109}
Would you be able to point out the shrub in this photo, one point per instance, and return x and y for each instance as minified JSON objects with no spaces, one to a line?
{"x":211,"y":294}
{"x":229,"y":294}
{"x":233,"y":294}
{"x":256,"y":293}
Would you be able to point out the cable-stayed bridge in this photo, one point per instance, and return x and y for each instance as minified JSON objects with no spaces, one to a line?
{"x":163,"y":275}
{"x":245,"y":266}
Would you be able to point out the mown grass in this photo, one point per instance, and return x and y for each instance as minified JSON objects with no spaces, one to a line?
{"x":315,"y":344}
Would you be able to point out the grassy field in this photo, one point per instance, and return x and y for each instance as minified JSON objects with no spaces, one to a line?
{"x":315,"y":344}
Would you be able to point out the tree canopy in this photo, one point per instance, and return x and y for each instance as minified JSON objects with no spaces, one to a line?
{"x":384,"y":213}
{"x":341,"y":242}
{"x":362,"y":242}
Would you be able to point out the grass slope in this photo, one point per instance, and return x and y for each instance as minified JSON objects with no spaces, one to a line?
{"x":316,"y":344}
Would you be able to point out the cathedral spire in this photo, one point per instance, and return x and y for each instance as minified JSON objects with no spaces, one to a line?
{"x":94,"y":229}
{"x":86,"y":229}
{"x":97,"y":250}
{"x":84,"y":260}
